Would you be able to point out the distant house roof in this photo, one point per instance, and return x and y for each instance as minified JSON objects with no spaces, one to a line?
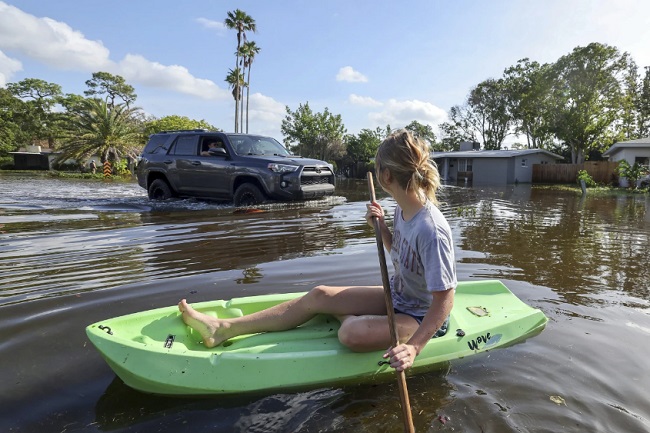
{"x":493,"y":153}
{"x":641,"y":142}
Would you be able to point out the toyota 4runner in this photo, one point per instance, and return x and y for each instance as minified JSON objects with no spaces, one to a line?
{"x":244,"y":168}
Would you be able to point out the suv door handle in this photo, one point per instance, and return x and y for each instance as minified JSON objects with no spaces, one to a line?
{"x":168,"y":161}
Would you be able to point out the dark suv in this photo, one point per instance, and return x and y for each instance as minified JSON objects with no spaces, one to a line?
{"x":244,"y":168}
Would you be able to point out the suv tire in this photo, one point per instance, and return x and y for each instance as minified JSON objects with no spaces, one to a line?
{"x":160,"y":190}
{"x":248,"y":194}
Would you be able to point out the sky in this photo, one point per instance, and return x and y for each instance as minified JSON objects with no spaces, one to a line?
{"x":374,"y":62}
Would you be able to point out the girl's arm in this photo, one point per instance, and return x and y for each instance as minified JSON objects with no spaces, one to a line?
{"x":403,"y":356}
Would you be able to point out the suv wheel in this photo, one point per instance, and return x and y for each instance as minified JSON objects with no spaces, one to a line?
{"x":160,"y":190}
{"x":248,"y":195}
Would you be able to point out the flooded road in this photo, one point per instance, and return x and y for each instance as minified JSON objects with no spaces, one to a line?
{"x":73,"y":252}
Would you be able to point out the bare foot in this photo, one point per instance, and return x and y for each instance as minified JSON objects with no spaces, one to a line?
{"x":212,"y":330}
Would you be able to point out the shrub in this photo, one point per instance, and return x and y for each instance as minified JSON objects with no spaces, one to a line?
{"x":583,"y":175}
{"x":631,"y":172}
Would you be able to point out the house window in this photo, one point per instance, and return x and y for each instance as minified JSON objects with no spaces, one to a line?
{"x":524,"y":162}
{"x":465,"y":164}
{"x":642,"y":160}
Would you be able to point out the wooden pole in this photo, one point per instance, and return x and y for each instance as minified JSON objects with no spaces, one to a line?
{"x":401,"y":377}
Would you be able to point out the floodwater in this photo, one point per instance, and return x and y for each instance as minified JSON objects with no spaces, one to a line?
{"x":74,"y":252}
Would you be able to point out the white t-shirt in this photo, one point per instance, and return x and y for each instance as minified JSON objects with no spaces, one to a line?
{"x":423,"y":257}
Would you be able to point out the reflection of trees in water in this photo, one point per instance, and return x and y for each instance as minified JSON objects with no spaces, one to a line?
{"x":558,"y":240}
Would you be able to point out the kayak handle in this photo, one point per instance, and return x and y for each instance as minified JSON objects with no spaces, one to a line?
{"x":106,"y":328}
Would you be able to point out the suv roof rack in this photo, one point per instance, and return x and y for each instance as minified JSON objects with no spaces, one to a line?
{"x":171,"y":131}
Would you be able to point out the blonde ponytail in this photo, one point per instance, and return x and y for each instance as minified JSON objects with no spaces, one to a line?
{"x":407,"y":159}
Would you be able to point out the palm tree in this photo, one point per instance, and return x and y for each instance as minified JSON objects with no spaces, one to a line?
{"x":96,"y":127}
{"x":248,"y":52}
{"x":236,"y":81}
{"x":242,"y":22}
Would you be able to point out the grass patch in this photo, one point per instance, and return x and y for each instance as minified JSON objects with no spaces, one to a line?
{"x":603,"y":190}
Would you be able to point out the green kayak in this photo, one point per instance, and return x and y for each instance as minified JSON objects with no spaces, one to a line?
{"x":154,"y":351}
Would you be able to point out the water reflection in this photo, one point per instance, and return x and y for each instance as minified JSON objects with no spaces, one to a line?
{"x":361,"y":408}
{"x":553,"y":238}
{"x":557,"y":239}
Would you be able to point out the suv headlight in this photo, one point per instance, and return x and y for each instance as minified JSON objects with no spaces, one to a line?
{"x":282,"y":168}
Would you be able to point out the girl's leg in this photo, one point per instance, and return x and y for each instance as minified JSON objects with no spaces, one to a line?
{"x":337,"y":301}
{"x":372,"y":332}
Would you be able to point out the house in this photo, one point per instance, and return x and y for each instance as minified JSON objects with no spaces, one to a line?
{"x":34,"y":157}
{"x":481,"y":167}
{"x":31,"y":158}
{"x":633,"y":151}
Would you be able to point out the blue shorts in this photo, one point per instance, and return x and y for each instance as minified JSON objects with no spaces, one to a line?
{"x":439,"y":333}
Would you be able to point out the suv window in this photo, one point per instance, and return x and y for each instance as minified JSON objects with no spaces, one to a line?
{"x":185,"y":145}
{"x":257,"y":145}
{"x":156,"y":143}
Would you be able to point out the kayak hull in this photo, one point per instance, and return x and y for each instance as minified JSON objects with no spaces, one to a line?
{"x":155,"y":352}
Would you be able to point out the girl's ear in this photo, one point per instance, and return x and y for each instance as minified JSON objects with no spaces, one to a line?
{"x":386,"y":177}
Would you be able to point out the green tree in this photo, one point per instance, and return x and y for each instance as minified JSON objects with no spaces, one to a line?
{"x":36,"y":117}
{"x":643,"y":105}
{"x":587,"y":96}
{"x":451,"y":135}
{"x":110,"y":87}
{"x":490,"y":117}
{"x":528,"y":88}
{"x":361,"y":148}
{"x":9,"y":129}
{"x":626,"y":126}
{"x":175,"y":123}
{"x":97,"y":128}
{"x":242,"y":22}
{"x":313,"y":135}
{"x":248,"y":52}
{"x":461,"y":127}
{"x":423,"y":131}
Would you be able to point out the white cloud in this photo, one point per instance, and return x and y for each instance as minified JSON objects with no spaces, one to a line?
{"x":56,"y":44}
{"x":265,"y":115}
{"x":8,"y":67}
{"x":211,"y":24}
{"x":135,"y":68}
{"x":52,"y":42}
{"x":400,"y":113}
{"x":265,"y":108}
{"x":364,"y":101}
{"x":347,"y":73}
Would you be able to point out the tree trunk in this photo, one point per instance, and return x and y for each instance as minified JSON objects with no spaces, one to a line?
{"x":248,"y":92}
{"x":235,"y":92}
{"x":241,"y":111}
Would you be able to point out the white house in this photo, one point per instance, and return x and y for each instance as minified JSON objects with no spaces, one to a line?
{"x":491,"y":166}
{"x":633,"y":151}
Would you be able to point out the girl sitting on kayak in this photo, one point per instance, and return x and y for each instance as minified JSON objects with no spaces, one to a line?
{"x":422,"y":287}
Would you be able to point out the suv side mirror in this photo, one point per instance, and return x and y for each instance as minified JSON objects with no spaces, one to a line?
{"x":218,"y":151}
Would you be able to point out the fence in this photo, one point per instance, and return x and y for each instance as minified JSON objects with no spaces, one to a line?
{"x":600,"y":171}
